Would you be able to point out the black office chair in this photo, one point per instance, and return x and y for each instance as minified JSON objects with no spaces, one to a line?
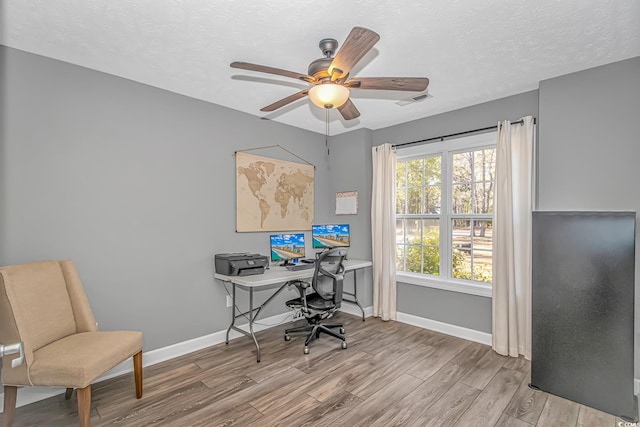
{"x":320,"y":305}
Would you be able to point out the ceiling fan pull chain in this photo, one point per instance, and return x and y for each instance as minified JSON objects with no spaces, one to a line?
{"x":326,"y":131}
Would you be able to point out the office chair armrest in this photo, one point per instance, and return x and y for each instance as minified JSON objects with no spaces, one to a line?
{"x":298,"y":284}
{"x":302,"y":287}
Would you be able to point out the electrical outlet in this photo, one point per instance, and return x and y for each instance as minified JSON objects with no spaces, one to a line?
{"x":229,"y":301}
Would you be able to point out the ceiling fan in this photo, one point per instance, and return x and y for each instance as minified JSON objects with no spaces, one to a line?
{"x":329,"y":76}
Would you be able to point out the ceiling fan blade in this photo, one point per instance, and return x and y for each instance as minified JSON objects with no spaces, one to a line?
{"x":358,"y":43}
{"x":284,"y":101}
{"x":349,"y":110}
{"x":271,"y":70}
{"x":414,"y":84}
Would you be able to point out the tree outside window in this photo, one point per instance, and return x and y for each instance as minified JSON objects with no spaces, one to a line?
{"x":421,"y":218}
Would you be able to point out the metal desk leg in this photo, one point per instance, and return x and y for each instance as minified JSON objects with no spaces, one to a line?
{"x":252,"y":312}
{"x":233,"y":311}
{"x":251,"y":319}
{"x":354,"y":294}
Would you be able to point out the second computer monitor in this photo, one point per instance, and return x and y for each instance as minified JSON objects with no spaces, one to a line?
{"x":330,"y":236}
{"x":287,"y":247}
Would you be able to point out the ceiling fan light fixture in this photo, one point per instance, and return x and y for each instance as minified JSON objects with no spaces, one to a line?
{"x":328,"y":95}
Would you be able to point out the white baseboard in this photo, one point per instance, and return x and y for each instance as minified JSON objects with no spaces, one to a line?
{"x":27,"y":395}
{"x":351,"y":308}
{"x":468,"y":334}
{"x":445,"y":328}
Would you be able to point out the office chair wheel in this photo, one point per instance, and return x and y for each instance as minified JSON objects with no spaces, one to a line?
{"x":342,"y":331}
{"x":306,"y":350}
{"x":287,"y":337}
{"x":344,"y":345}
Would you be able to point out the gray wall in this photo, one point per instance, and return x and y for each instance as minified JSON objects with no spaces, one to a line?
{"x":350,"y":170}
{"x":136,"y":185}
{"x":469,"y":311}
{"x":589,"y":146}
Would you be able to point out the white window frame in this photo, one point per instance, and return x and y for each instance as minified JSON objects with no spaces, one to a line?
{"x":446,"y":149}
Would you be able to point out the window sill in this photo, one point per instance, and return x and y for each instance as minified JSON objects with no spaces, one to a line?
{"x":473,"y":288}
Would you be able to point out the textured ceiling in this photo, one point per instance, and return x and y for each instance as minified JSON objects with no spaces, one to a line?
{"x":472,"y":51}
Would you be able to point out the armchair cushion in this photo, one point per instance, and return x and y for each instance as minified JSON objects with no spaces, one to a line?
{"x":77,"y":360}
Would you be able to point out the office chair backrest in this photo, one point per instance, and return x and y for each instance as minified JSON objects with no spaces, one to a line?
{"x":329,"y":274}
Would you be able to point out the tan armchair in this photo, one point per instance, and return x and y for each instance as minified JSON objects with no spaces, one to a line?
{"x":43,"y":305}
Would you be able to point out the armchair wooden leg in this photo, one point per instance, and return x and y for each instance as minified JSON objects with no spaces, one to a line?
{"x":10,"y":395}
{"x":67,"y":394}
{"x":84,"y":406}
{"x":137,"y":372}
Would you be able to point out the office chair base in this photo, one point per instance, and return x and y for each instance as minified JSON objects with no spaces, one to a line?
{"x":306,"y":347}
{"x":313,"y":332}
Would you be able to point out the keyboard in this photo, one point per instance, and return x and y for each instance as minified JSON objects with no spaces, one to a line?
{"x":297,"y":267}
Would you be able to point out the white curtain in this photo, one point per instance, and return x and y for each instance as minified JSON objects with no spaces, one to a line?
{"x":513,"y":206}
{"x":383,"y":231}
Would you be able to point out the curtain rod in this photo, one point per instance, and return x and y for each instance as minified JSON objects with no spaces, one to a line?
{"x":441,"y":138}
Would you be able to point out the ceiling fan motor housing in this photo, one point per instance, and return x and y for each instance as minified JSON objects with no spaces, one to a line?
{"x":318,"y":68}
{"x":328,"y":47}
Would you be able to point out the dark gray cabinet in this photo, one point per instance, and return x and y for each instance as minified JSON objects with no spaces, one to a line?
{"x":583,"y":308}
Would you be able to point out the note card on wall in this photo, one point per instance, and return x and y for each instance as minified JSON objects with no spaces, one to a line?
{"x":347,"y":203}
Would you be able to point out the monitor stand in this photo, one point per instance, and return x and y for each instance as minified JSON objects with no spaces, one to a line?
{"x":288,"y":262}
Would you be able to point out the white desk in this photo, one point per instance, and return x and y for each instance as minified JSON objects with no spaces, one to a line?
{"x":272,"y":277}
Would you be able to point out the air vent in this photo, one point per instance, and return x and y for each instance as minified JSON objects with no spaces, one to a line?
{"x":413,"y":99}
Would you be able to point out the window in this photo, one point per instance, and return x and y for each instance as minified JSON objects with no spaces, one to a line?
{"x":444,"y":212}
{"x":418,"y":205}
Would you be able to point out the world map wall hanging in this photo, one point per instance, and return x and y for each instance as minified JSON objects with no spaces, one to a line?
{"x":272,"y":194}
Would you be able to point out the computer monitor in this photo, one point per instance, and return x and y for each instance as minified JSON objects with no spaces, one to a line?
{"x":330,"y":236}
{"x":287,"y":247}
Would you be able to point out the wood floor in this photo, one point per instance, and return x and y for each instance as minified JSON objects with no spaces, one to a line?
{"x":391,"y":374}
